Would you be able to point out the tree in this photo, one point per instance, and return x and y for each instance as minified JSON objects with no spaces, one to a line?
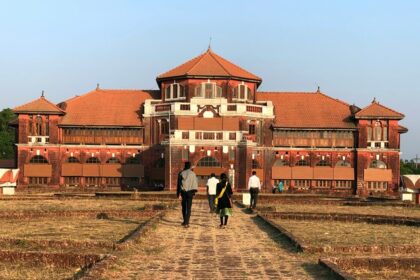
{"x":408,"y":167}
{"x":7,"y":134}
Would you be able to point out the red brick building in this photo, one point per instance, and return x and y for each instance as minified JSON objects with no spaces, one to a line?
{"x":208,"y":111}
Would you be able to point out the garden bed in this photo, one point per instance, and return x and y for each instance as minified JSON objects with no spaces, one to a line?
{"x":373,"y":268}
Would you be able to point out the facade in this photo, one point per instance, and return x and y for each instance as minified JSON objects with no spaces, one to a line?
{"x":209,"y":111}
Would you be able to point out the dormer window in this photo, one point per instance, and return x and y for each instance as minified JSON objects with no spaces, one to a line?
{"x":242,"y":93}
{"x":208,"y":90}
{"x":174,"y":91}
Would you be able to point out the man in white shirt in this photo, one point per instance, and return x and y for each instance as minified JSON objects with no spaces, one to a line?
{"x":211,"y":190}
{"x":254,"y":186}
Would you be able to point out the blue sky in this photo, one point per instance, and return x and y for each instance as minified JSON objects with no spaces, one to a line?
{"x":354,"y":50}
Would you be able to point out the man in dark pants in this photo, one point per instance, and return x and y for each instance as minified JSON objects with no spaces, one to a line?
{"x":187,"y":187}
{"x":254,"y":186}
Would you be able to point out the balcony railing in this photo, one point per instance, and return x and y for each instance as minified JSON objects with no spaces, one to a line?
{"x":39,"y":140}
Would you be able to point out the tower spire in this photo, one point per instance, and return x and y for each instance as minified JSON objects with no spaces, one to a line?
{"x":42,"y":93}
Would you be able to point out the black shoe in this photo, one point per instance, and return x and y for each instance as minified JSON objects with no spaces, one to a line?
{"x":186,"y":226}
{"x":183,"y":224}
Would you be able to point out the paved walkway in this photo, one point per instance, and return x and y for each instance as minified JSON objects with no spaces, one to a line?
{"x":246,"y":249}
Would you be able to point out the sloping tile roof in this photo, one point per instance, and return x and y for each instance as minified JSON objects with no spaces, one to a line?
{"x":208,"y":64}
{"x":308,"y":110}
{"x":102,"y":107}
{"x":376,"y":110}
{"x":40,"y":105}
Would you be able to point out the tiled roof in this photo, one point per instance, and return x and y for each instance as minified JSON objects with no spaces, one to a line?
{"x":209,"y":64}
{"x":40,"y":105}
{"x":107,"y":108}
{"x":308,"y":110}
{"x":376,"y":110}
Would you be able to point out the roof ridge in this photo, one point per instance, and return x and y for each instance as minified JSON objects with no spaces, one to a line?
{"x":179,"y":66}
{"x":199,"y":58}
{"x":291,"y":92}
{"x":217,"y":61}
{"x":336,"y":99}
{"x":377,"y":103}
{"x":236,"y":66}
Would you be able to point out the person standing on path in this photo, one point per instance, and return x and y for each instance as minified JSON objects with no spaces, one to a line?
{"x":187,"y":186}
{"x":254,"y":186}
{"x":224,"y":200}
{"x":211,"y":190}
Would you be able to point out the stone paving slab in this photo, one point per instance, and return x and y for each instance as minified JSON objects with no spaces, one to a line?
{"x":245,"y":249}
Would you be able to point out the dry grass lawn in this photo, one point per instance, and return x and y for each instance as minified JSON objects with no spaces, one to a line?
{"x":72,"y":204}
{"x":384,"y":273}
{"x":18,"y":270}
{"x":78,"y":229}
{"x":321,"y":233}
{"x":364,"y":210}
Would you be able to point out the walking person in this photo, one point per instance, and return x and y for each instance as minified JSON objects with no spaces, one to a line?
{"x":187,"y":186}
{"x":254,"y":187}
{"x":211,"y":190}
{"x":280,"y":186}
{"x":224,"y":200}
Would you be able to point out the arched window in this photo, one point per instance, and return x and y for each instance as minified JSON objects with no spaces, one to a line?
{"x":378,"y":164}
{"x":377,"y":131}
{"x":208,"y":90}
{"x":323,"y":163}
{"x":38,"y":125}
{"x":208,"y":162}
{"x":281,"y":162}
{"x":343,"y":163}
{"x":242,"y":93}
{"x":73,"y":160}
{"x":39,"y":160}
{"x":302,"y":162}
{"x":133,"y":160}
{"x":255,"y":164}
{"x":93,"y":160}
{"x":113,"y":160}
{"x":175,"y":91}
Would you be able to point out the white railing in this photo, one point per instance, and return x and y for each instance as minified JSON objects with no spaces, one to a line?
{"x":377,"y":144}
{"x":265,"y":110}
{"x":39,"y":140}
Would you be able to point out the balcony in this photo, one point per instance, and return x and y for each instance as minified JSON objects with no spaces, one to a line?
{"x":38,"y":140}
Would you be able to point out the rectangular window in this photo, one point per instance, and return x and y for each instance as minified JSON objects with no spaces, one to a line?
{"x":38,"y":181}
{"x":72,"y":181}
{"x":232,"y":135}
{"x":219,"y":135}
{"x":113,"y":181}
{"x":92,"y":181}
{"x":198,"y":135}
{"x":185,"y":135}
{"x":208,"y":135}
{"x":251,"y":129}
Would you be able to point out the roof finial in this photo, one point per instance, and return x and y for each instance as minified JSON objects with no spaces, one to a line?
{"x":97,"y":86}
{"x":209,"y":48}
{"x":374,"y":100}
{"x":319,"y":89}
{"x":42,"y":93}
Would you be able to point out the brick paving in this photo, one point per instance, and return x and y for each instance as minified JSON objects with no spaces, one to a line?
{"x":246,"y":249}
